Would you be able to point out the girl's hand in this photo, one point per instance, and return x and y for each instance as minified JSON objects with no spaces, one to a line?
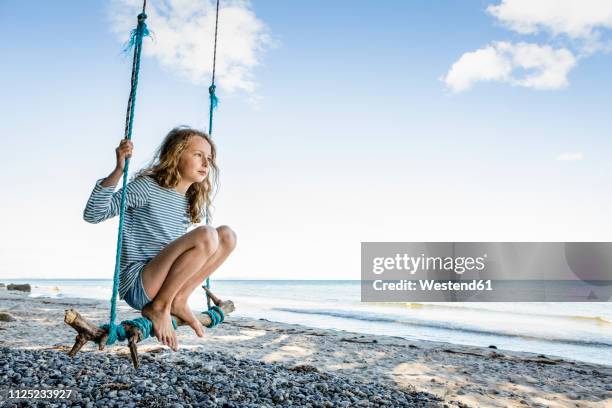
{"x":123,"y":151}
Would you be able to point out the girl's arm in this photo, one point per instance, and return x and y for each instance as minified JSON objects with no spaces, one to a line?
{"x":103,"y":203}
{"x":113,"y":178}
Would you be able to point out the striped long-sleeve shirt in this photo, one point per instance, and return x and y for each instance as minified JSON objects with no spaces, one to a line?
{"x":154,"y":217}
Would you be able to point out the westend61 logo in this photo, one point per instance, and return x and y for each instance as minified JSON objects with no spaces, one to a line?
{"x":412,"y":264}
{"x":486,"y":271}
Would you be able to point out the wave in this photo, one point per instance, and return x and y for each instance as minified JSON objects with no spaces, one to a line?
{"x":455,"y":307}
{"x":373,"y":318}
{"x":597,"y":319}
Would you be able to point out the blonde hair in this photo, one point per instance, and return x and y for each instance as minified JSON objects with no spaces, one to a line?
{"x":164,"y":168}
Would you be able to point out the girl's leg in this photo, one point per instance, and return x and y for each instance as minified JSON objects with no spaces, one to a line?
{"x":227,"y":243}
{"x":165,"y":274}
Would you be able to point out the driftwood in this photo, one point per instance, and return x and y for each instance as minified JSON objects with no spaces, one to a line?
{"x":91,"y":332}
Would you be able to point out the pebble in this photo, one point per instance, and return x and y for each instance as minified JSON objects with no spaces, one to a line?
{"x":193,"y":379}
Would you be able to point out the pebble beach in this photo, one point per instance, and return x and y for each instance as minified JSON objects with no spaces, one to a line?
{"x":248,"y":362}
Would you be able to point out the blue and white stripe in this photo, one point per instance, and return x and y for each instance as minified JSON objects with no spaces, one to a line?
{"x":154,"y":217}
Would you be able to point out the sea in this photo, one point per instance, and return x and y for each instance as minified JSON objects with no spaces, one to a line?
{"x":579,"y":331}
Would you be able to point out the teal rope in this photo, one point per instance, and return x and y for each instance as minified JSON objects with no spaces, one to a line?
{"x":216,"y":316}
{"x":208,"y":287}
{"x":137,"y":34}
{"x":214,"y":101}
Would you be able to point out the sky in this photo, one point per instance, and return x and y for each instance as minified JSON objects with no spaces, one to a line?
{"x":339,"y":123}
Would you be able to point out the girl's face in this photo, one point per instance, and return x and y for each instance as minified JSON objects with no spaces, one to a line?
{"x":194,"y":161}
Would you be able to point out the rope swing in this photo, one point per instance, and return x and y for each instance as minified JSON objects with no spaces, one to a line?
{"x":214,"y":101}
{"x":117,"y":331}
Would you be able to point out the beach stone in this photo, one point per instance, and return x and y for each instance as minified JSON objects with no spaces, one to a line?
{"x":25,"y":287}
{"x":6,"y":317}
{"x":321,"y":387}
{"x":240,"y":383}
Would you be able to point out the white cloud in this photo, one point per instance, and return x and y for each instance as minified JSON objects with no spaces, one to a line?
{"x":575,"y":18}
{"x":183,"y":32}
{"x":485,"y":64}
{"x":579,"y":28}
{"x":570,"y":156}
{"x":527,"y":65}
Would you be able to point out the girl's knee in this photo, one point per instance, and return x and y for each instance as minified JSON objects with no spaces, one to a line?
{"x":206,"y":238}
{"x":227,"y":236}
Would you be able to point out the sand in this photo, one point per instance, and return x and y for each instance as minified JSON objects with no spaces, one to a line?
{"x":474,"y":376}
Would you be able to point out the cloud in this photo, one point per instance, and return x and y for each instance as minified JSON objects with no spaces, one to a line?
{"x":570,"y":156}
{"x":527,"y":65}
{"x":574,"y":18}
{"x":578,"y":29}
{"x":183,"y":32}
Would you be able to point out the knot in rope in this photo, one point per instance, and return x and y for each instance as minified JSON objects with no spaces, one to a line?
{"x":214,"y":101}
{"x":137,"y":34}
{"x":216,"y":316}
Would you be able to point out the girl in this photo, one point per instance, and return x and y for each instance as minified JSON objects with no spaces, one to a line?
{"x":162,"y":264}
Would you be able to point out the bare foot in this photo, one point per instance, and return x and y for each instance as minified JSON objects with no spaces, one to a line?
{"x":180,"y":309}
{"x":162,"y":325}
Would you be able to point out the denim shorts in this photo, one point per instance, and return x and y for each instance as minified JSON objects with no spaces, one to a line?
{"x":136,"y":296}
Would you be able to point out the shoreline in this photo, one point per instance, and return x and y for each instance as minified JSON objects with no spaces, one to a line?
{"x":456,"y":374}
{"x":576,"y":331}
